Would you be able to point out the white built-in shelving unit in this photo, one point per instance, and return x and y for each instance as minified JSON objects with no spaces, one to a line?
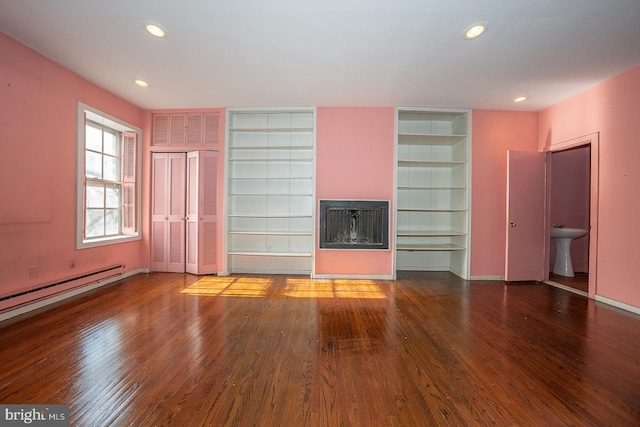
{"x":433,"y":190}
{"x":270,"y":190}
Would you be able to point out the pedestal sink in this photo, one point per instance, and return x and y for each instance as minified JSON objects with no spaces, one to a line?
{"x":564,"y":236}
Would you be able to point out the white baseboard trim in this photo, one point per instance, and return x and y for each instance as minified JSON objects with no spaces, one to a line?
{"x":351,"y":277}
{"x":423,"y":268}
{"x":65,"y":295}
{"x":262,"y":271}
{"x":487,"y":278}
{"x":618,"y":304}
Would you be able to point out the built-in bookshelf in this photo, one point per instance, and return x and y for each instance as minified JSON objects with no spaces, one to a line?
{"x":270,"y":164}
{"x":433,"y":170}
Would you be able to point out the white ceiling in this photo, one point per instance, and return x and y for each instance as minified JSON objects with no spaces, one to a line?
{"x":334,"y":52}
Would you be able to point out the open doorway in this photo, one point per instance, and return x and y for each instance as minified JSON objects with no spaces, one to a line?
{"x":572,"y":195}
{"x":569,"y":198}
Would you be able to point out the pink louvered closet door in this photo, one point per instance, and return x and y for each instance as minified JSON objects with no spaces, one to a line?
{"x":202,"y":172}
{"x":184,"y":206}
{"x":168,"y":212}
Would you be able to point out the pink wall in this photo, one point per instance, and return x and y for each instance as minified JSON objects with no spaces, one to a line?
{"x":570,"y":188}
{"x":355,"y":160}
{"x":38,"y":170}
{"x":493,"y":133}
{"x":610,"y":108}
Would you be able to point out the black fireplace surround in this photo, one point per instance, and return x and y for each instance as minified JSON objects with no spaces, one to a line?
{"x":354,"y":224}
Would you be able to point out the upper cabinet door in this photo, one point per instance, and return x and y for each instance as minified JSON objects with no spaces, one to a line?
{"x":211,"y":130}
{"x":178,"y":129}
{"x":194,"y":129}
{"x":525,"y":245}
{"x":191,"y":129}
{"x":169,"y":129}
{"x":160,"y":130}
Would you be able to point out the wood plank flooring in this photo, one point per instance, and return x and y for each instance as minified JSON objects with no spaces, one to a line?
{"x":580,"y":282}
{"x":165,"y":349}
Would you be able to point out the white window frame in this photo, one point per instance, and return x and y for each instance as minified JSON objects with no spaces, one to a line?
{"x":90,"y":113}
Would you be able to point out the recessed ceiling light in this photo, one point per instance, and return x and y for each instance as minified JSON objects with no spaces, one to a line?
{"x":155,"y":30}
{"x":520,"y":99}
{"x":475,"y":30}
{"x":141,"y":83}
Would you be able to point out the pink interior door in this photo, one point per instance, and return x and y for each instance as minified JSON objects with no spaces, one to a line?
{"x":202,"y":195}
{"x":191,"y":260}
{"x":525,"y":244}
{"x":168,"y":211}
{"x":208,"y":219}
{"x":159,"y":212}
{"x":176,"y":215}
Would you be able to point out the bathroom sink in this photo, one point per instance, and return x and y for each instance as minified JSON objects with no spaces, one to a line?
{"x":564,"y":236}
{"x":568,"y":233}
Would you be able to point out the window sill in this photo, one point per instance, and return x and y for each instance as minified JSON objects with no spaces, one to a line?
{"x":105,"y":241}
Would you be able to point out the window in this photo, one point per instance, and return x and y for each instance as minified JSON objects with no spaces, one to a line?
{"x":108,"y":188}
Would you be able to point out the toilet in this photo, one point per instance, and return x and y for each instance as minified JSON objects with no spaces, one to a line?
{"x":564,"y":236}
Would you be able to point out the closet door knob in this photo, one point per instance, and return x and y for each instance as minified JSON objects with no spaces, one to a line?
{"x":512,"y":224}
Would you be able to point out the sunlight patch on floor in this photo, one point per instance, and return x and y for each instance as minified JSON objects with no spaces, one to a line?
{"x":308,"y":288}
{"x":247,"y":287}
{"x":257,"y":287}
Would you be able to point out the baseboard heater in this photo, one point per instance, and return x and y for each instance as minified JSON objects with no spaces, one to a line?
{"x":9,"y":302}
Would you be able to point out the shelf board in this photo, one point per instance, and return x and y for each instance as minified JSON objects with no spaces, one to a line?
{"x":429,"y":139}
{"x":431,"y":163}
{"x":430,"y":233}
{"x":425,"y":247}
{"x":270,"y":147}
{"x":267,"y":130}
{"x":430,"y":188}
{"x":272,"y":233}
{"x":419,"y":114}
{"x":429,"y":210}
{"x":272,"y":160}
{"x":269,"y":178}
{"x":271,"y":254}
{"x":265,"y":215}
{"x":272,"y":194}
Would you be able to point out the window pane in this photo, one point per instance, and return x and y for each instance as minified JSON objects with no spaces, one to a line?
{"x":93,"y":165}
{"x":113,"y":196}
{"x":110,"y":169}
{"x":112,"y":221}
{"x":95,"y":223}
{"x":93,"y":137}
{"x":95,"y":195}
{"x":110,"y":142}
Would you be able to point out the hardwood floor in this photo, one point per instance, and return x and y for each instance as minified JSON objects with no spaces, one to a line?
{"x":580,"y":282}
{"x":426,"y":349}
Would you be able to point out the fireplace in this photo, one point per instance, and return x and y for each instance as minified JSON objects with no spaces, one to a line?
{"x":354,"y":224}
